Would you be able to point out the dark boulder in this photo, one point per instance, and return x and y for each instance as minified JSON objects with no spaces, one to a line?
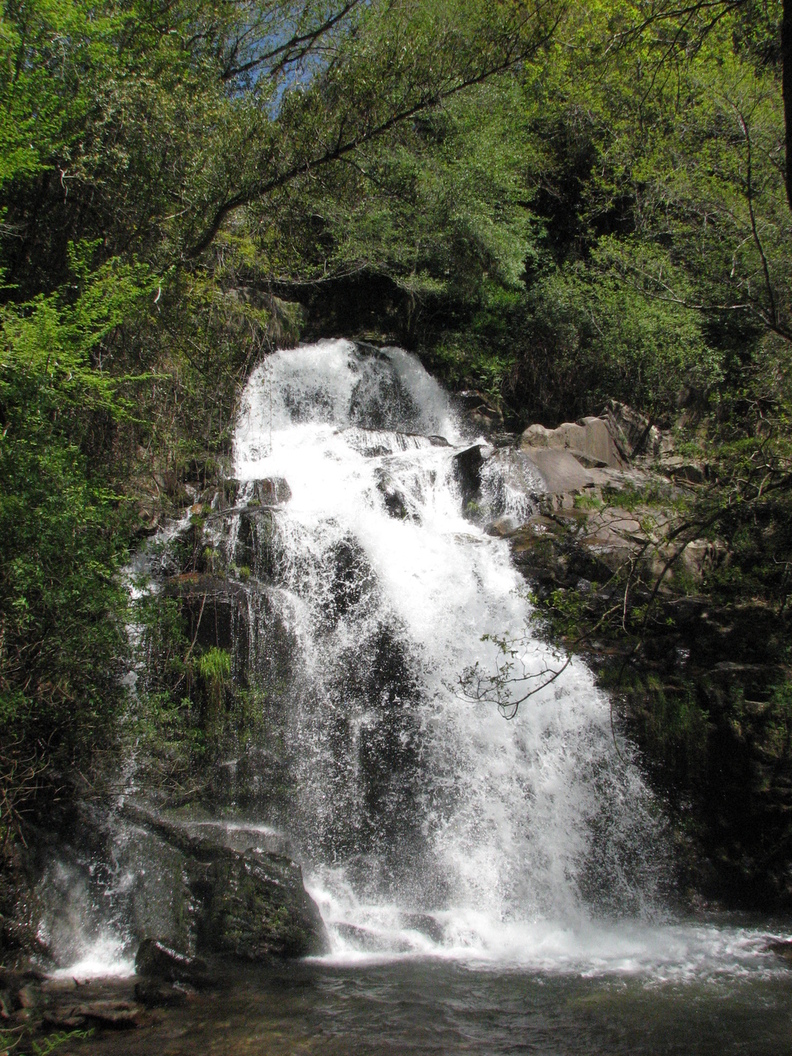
{"x":396,"y":502}
{"x":155,"y":960}
{"x":233,"y":894}
{"x":271,"y":491}
{"x":479,"y":411}
{"x":467,"y":469}
{"x":254,"y":906}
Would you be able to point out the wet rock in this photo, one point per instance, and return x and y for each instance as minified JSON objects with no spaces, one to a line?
{"x":426,"y":924}
{"x":63,"y":1020}
{"x":366,"y":939}
{"x":153,"y":993}
{"x":155,"y":960}
{"x":271,"y":491}
{"x":365,"y":349}
{"x":218,"y":499}
{"x":254,"y":544}
{"x":256,"y":778}
{"x":240,"y":837}
{"x":228,"y":492}
{"x":781,"y":948}
{"x":249,"y":902}
{"x":380,"y":399}
{"x":467,"y":469}
{"x":511,"y":489}
{"x":255,"y":907}
{"x":116,"y":1015}
{"x":120,"y":1015}
{"x":395,"y":500}
{"x":353,"y":579}
{"x":160,"y":899}
{"x":377,"y":677}
{"x":213,"y":608}
{"x":502,"y":527}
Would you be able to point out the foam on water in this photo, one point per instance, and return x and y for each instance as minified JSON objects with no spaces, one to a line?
{"x":104,"y":958}
{"x":671,"y":952}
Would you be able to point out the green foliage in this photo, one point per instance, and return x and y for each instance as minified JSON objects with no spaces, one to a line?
{"x":64,"y":529}
{"x":464,"y":360}
{"x":53,"y":1042}
{"x":778,"y":728}
{"x":214,"y":675}
{"x":163,"y":719}
{"x":600,"y":337}
{"x":441,"y":209}
{"x":674,"y":730}
{"x":214,"y":667}
{"x":163,"y":645}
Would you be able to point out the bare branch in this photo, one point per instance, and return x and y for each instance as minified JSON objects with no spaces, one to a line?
{"x":291,"y":51}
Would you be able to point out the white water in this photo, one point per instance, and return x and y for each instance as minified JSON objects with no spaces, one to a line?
{"x":427,"y":822}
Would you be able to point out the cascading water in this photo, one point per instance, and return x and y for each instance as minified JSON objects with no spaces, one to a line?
{"x":488,"y":886}
{"x":424,"y":819}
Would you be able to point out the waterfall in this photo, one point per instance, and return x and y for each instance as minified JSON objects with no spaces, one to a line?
{"x":424,"y":819}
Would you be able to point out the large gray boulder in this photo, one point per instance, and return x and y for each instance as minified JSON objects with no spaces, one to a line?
{"x":588,"y":440}
{"x":560,"y":470}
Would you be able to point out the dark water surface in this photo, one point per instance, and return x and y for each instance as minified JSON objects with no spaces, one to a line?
{"x":427,"y":1007}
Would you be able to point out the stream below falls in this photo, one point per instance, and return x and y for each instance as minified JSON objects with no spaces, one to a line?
{"x":488,"y":885}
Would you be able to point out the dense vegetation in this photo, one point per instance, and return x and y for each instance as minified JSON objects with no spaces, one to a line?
{"x":556,"y":204}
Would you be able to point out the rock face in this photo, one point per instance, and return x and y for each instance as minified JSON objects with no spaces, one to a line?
{"x":480,"y":411}
{"x":214,"y":888}
{"x":621,"y":577}
{"x":467,"y":467}
{"x":632,"y":432}
{"x":271,"y":491}
{"x":589,"y":440}
{"x":214,"y":608}
{"x":560,"y":470}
